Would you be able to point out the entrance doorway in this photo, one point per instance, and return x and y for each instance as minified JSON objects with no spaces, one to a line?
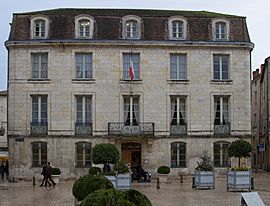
{"x":132,"y":153}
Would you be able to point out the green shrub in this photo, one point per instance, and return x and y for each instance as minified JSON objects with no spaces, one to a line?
{"x":56,"y":171}
{"x":94,"y":170}
{"x":163,"y":170}
{"x":105,"y":154}
{"x":112,"y":197}
{"x":112,"y":173}
{"x":239,"y":168}
{"x":88,"y":184}
{"x":121,"y":167}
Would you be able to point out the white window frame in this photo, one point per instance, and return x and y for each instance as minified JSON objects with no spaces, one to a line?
{"x":33,"y":27}
{"x":178,"y":68}
{"x":84,"y":108}
{"x":221,"y":151}
{"x":131,"y":104}
{"x":178,"y":108}
{"x":221,"y":67}
{"x":77,"y":26}
{"x":83,"y":154}
{"x":128,"y":18}
{"x":39,"y":64}
{"x":178,"y":160}
{"x":221,"y":97}
{"x":39,"y":96}
{"x":84,"y":66}
{"x":227,"y":29}
{"x":184,"y":27}
{"x":39,"y":144}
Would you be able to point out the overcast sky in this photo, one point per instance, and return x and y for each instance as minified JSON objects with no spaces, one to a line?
{"x":257,"y":13}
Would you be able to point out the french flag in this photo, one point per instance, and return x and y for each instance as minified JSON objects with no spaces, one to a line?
{"x":131,"y":69}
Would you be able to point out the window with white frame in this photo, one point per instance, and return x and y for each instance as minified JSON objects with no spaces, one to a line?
{"x":221,"y":110}
{"x":177,"y":28}
{"x":39,"y":110}
{"x":84,"y":66}
{"x":220,"y":30}
{"x":178,"y":154}
{"x":39,"y":65}
{"x":83,"y":109}
{"x":131,"y":60}
{"x":39,"y":27}
{"x":221,"y":67}
{"x":178,"y":110}
{"x":178,"y":65}
{"x":221,"y":154}
{"x":131,"y":27}
{"x":131,"y":110}
{"x":84,"y":26}
{"x":39,"y":154}
{"x":83,"y":154}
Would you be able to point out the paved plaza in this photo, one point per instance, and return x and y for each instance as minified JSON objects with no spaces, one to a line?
{"x":173,"y":193}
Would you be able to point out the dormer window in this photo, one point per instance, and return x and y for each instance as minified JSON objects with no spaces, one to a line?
{"x":177,"y":28}
{"x":131,"y":27}
{"x":220,"y":30}
{"x":84,"y":26}
{"x":39,"y":27}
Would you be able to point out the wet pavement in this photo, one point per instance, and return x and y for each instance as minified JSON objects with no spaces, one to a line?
{"x":173,"y":193}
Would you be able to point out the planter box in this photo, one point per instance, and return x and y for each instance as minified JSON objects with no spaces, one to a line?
{"x":112,"y":179}
{"x":239,"y":180}
{"x":56,"y":178}
{"x":163,"y":178}
{"x":204,"y":179}
{"x":123,"y":181}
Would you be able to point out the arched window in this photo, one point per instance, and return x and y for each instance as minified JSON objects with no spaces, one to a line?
{"x":221,"y":154}
{"x":131,"y":27}
{"x":83,"y":154}
{"x":177,"y":28}
{"x":39,"y":27}
{"x":84,"y":26}
{"x":178,"y":154}
{"x":220,"y":30}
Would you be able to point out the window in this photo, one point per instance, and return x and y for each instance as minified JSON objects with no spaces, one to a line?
{"x":131,"y":27}
{"x":39,"y":65}
{"x":39,"y":110}
{"x":178,"y":67}
{"x":84,"y":66}
{"x":178,"y":111}
{"x":83,"y":109}
{"x":83,"y":154}
{"x":131,"y":110}
{"x":131,"y":60}
{"x":221,"y":110}
{"x":39,"y":154}
{"x":221,"y":67}
{"x":177,"y":28}
{"x":84,"y":26}
{"x":221,"y":154}
{"x":220,"y":30}
{"x":178,"y":154}
{"x":39,"y":27}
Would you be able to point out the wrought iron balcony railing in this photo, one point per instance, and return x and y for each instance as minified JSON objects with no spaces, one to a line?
{"x":222,"y":129}
{"x":83,"y":128}
{"x":39,"y":127}
{"x":178,"y":129}
{"x":142,"y":128}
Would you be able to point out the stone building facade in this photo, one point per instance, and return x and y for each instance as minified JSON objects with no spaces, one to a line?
{"x":70,"y":87}
{"x":260,"y":117}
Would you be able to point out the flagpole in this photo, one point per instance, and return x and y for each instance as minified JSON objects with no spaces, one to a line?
{"x":133,"y":70}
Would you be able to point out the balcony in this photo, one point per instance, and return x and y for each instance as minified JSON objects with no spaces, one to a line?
{"x":142,"y":129}
{"x":178,"y":129}
{"x":83,"y":128}
{"x":39,"y":128}
{"x":222,"y":129}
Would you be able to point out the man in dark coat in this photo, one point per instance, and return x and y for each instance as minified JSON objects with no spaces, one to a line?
{"x":45,"y":174}
{"x":6,"y":169}
{"x":49,"y":168}
{"x":2,"y":170}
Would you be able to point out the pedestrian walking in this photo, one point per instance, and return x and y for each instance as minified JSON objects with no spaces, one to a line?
{"x":6,"y":169}
{"x":2,"y":173}
{"x":45,"y":174}
{"x":50,"y":173}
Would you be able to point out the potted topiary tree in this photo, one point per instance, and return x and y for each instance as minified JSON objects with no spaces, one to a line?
{"x":204,"y":173}
{"x":56,"y":172}
{"x":123,"y":177}
{"x":163,"y":173}
{"x":239,"y":177}
{"x":106,"y":154}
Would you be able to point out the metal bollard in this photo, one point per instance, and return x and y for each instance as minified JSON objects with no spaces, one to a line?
{"x":34,"y":181}
{"x":252,"y":183}
{"x":193,"y":182}
{"x":158,"y":185}
{"x":181,"y":179}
